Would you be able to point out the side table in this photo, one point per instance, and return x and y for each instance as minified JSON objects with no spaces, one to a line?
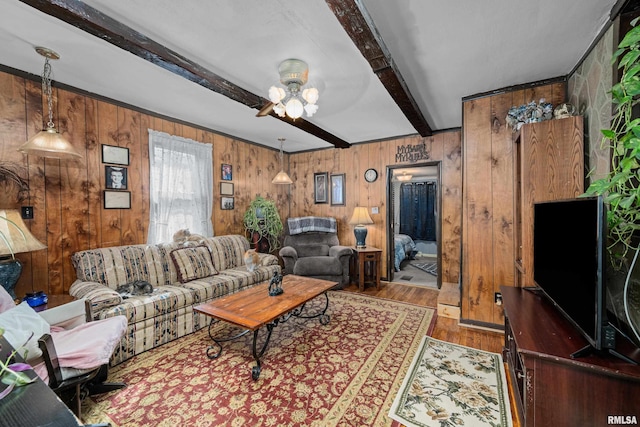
{"x":365,"y":266}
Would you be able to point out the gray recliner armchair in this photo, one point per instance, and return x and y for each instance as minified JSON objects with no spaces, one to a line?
{"x":311,"y":248}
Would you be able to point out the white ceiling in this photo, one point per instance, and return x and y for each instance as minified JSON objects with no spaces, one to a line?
{"x":444,"y":50}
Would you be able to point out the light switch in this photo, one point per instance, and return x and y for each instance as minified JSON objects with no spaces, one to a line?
{"x":374,"y":210}
{"x":27,"y":212}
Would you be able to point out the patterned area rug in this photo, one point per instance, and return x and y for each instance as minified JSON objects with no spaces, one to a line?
{"x":453,"y":385}
{"x":428,"y":267}
{"x":345,"y":373}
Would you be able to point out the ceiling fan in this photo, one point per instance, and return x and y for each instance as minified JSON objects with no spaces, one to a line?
{"x":291,"y":100}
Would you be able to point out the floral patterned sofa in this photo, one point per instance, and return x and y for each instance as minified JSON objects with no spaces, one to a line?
{"x":182,"y":276}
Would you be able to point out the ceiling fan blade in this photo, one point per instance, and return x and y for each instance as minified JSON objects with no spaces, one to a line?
{"x":266,"y":110}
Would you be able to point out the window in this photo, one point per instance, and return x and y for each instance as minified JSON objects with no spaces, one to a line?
{"x":180,"y":186}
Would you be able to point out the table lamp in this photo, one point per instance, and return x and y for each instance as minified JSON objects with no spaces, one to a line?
{"x":15,"y":238}
{"x":360,"y":218}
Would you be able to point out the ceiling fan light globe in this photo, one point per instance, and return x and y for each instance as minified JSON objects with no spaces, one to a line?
{"x":279,"y":109}
{"x":310,"y":95}
{"x":310,"y":109}
{"x":294,"y":108}
{"x":276,"y":94}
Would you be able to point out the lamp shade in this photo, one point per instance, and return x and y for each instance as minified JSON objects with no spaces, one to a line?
{"x":15,"y":237}
{"x":359,"y":219}
{"x":49,"y":143}
{"x":281,"y":178}
{"x":360,"y":216}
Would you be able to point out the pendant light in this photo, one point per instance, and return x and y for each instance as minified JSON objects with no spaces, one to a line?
{"x":48,"y":142}
{"x":281,"y":178}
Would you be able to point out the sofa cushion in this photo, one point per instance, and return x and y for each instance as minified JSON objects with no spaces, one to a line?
{"x":318,"y":265}
{"x":227,"y":251}
{"x":117,"y":265}
{"x":192,"y":263}
{"x":312,"y":250}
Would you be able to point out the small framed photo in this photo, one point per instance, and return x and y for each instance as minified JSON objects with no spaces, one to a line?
{"x":117,"y":199}
{"x":226,"y":189}
{"x":115,"y":155}
{"x":227,"y":172}
{"x":115,"y":178}
{"x":226,"y":203}
{"x":320,"y":187}
{"x":337,"y":190}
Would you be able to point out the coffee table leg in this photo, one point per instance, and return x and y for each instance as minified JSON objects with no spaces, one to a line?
{"x":324,"y":318}
{"x":255,"y":371}
{"x":214,"y":351}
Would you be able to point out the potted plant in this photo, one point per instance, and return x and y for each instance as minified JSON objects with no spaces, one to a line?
{"x":621,"y":186}
{"x":263,"y":225}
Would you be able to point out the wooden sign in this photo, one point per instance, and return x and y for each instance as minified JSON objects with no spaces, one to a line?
{"x":412,"y":153}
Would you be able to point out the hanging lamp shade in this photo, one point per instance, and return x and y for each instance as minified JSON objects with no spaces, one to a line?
{"x":48,"y":142}
{"x":281,"y":178}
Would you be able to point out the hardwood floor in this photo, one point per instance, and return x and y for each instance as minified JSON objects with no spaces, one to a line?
{"x":446,"y":329}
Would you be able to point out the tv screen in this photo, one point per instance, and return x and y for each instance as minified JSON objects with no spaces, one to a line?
{"x":568,"y":261}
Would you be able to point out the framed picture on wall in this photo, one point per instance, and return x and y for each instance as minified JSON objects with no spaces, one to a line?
{"x":320,"y":191}
{"x":115,"y":155}
{"x":227,"y":172}
{"x":337,"y":190}
{"x":115,"y":178}
{"x":117,"y":199}
{"x":226,"y":189}
{"x":226,"y":203}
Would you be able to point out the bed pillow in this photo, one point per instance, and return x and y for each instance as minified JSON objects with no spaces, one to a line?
{"x":193,"y":263}
{"x":18,"y":324}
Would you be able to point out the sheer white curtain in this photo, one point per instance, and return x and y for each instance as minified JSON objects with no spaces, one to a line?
{"x":180,"y":186}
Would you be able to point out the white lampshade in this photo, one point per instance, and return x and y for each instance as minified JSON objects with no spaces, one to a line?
{"x":310,"y":95}
{"x":15,"y":236}
{"x":276,"y":94}
{"x":360,"y":216}
{"x":294,"y":108}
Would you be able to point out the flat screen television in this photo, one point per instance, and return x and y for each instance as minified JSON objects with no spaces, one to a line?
{"x":570,"y":267}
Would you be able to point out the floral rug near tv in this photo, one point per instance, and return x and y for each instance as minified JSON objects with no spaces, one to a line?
{"x":452,"y":385}
{"x":346,"y":373}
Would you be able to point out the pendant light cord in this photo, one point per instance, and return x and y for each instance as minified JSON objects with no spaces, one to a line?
{"x":46,"y":89}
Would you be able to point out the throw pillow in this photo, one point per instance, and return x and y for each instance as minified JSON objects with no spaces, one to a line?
{"x":193,"y":263}
{"x":19,"y":323}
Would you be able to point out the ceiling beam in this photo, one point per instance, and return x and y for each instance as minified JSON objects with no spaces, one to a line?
{"x":96,"y":23}
{"x":358,"y":24}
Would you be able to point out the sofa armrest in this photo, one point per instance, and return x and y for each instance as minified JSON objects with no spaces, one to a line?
{"x":339,"y":251}
{"x":100,"y":296}
{"x":267,"y":259}
{"x":289,"y":257}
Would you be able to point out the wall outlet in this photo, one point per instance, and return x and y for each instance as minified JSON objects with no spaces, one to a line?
{"x":27,"y":212}
{"x":497,"y":298}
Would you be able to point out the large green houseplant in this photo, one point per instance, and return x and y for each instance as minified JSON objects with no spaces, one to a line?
{"x":621,"y":186}
{"x":263,"y":224}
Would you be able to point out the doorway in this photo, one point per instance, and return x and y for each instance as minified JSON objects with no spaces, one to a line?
{"x":413,"y":222}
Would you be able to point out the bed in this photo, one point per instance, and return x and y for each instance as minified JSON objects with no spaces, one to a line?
{"x":403,"y":248}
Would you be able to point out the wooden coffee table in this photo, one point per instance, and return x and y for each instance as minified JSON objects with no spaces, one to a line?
{"x":253,"y":308}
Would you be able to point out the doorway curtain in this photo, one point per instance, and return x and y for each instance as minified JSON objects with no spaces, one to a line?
{"x":417,"y":210}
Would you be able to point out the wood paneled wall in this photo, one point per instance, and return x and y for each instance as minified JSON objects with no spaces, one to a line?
{"x":488,"y":202}
{"x":68,"y":196}
{"x":444,"y":148}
